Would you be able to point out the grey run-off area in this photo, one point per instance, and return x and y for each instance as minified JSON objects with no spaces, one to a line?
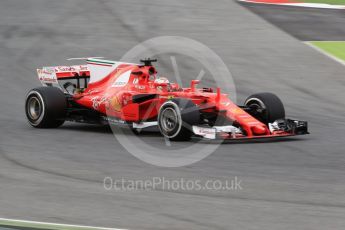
{"x":306,"y":24}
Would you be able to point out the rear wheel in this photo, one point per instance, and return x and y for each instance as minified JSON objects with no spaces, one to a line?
{"x":176,"y":118}
{"x":45,"y":107}
{"x":266,"y":107}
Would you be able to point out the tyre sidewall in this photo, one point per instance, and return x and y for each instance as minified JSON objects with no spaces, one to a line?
{"x":172,"y":134}
{"x":53,"y":102}
{"x":274,"y":108}
{"x":31,"y":94}
{"x":187,"y":115}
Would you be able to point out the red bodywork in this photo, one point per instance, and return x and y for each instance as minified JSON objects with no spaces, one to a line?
{"x":117,"y":100}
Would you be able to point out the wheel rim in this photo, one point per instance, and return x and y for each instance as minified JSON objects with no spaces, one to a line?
{"x":34,"y":108}
{"x":258,"y":108}
{"x":169,"y":120}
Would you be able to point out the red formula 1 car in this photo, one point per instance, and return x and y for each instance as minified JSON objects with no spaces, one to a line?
{"x":133,"y":95}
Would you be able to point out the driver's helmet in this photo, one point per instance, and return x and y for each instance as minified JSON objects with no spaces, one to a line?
{"x":161,"y":80}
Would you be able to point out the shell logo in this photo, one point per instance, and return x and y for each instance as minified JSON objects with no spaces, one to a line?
{"x":116,"y":104}
{"x":237,"y":110}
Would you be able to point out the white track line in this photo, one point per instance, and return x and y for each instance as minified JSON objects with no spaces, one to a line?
{"x":308,"y":5}
{"x":325,"y":41}
{"x":325,"y":53}
{"x":55,"y":224}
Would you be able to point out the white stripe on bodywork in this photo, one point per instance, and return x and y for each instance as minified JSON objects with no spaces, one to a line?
{"x":122,"y":80}
{"x":98,"y":72}
{"x":100,"y":68}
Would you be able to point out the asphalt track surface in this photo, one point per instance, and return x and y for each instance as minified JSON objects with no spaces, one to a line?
{"x":306,"y":24}
{"x":56,"y":175}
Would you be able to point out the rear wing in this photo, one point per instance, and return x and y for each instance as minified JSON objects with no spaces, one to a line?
{"x":50,"y":76}
{"x":95,"y":70}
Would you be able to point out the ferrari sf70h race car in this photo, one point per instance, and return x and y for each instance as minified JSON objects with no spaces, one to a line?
{"x":118,"y":93}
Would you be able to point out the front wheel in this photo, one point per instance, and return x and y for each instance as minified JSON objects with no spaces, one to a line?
{"x":176,"y":118}
{"x":45,"y":107}
{"x":266,"y":107}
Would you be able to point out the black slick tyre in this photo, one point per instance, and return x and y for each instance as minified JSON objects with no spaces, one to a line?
{"x":45,"y":107}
